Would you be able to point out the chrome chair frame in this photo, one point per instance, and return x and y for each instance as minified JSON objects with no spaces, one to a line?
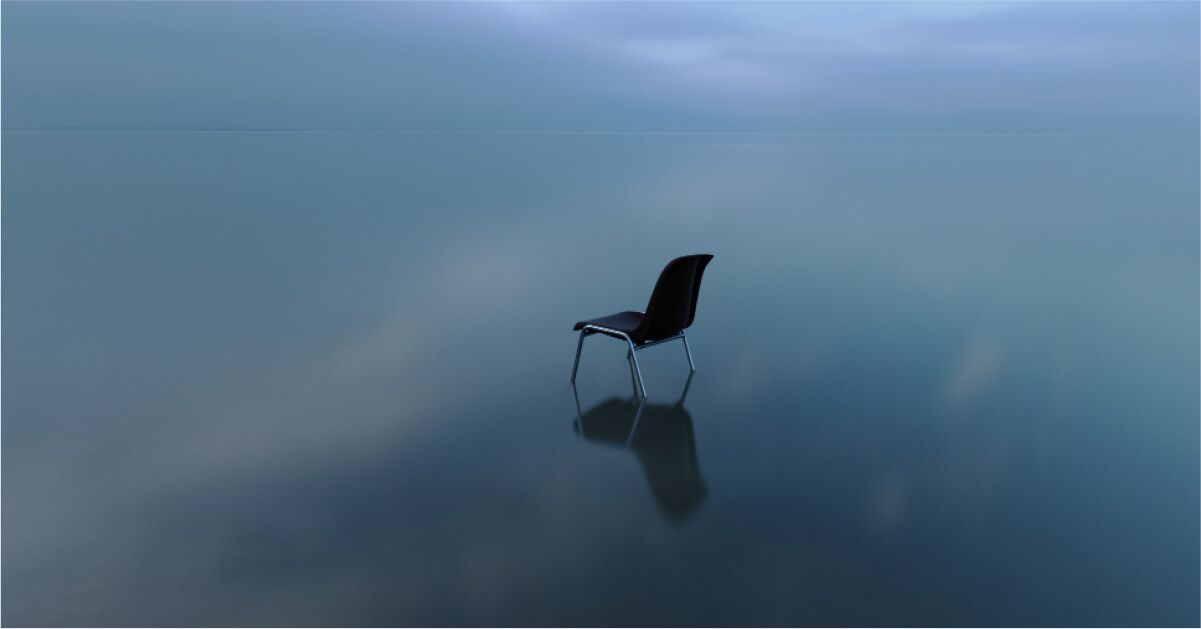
{"x":631,"y":353}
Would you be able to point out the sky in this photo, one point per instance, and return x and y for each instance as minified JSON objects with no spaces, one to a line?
{"x":1125,"y":68}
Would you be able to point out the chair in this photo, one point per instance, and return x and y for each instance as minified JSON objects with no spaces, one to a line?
{"x":670,"y":311}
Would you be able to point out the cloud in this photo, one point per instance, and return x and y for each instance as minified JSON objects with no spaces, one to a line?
{"x":947,"y":67}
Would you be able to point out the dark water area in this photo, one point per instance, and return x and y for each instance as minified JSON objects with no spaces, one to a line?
{"x":322,"y":378}
{"x":288,"y":293}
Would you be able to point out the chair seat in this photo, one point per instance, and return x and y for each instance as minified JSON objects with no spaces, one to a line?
{"x":622,"y":321}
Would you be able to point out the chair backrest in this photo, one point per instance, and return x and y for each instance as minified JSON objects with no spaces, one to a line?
{"x":673,"y":303}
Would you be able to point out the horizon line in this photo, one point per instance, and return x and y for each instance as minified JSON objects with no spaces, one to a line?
{"x":597,"y":132}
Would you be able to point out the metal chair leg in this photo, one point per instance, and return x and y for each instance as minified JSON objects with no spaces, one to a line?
{"x":632,"y":353}
{"x":579,"y":414}
{"x":633,"y":378}
{"x":578,"y":348}
{"x":637,"y":369}
{"x":634,"y":427}
{"x":683,"y":394}
{"x":691,"y":367}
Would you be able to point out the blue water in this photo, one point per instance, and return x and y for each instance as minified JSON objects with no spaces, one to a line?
{"x":320,"y":376}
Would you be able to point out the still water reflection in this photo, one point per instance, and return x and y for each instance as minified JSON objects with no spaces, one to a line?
{"x":263,"y":379}
{"x":661,"y":436}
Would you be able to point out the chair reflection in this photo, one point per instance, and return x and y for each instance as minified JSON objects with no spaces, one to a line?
{"x":661,"y":436}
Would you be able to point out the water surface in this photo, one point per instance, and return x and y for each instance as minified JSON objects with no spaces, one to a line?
{"x":320,"y":377}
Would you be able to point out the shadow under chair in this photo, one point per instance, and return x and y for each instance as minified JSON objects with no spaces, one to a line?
{"x":661,"y":437}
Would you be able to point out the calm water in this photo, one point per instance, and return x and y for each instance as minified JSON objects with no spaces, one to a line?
{"x":321,"y":378}
{"x":267,"y":379}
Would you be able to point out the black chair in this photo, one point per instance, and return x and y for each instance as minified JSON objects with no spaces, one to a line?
{"x":671,"y":310}
{"x":661,"y":436}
